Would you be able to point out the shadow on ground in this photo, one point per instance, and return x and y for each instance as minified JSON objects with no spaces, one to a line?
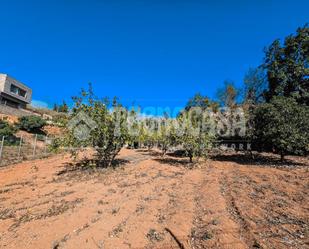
{"x":90,"y":166}
{"x":147,"y":152}
{"x":258,"y":160}
{"x":175,"y":162}
{"x":176,"y":158}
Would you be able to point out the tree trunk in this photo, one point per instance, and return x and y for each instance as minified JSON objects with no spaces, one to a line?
{"x":164,"y":150}
{"x":282,"y":156}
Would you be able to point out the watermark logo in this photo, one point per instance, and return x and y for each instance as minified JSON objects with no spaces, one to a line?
{"x":224,"y":123}
{"x":81,"y":125}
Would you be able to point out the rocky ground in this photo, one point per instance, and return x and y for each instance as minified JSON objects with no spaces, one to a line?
{"x":148,"y":201}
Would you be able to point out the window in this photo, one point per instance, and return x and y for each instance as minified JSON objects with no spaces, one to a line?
{"x":22,"y":92}
{"x":14,"y":89}
{"x":18,"y":91}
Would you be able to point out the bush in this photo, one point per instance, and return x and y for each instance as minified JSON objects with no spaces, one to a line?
{"x":282,"y":126}
{"x":60,"y":120}
{"x":56,"y":145}
{"x":8,"y":132}
{"x":31,"y":123}
{"x":6,"y":129}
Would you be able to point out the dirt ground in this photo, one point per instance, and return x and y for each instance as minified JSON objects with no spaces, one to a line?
{"x":152,"y":202}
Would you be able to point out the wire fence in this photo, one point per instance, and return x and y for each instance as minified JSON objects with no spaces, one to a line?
{"x":14,"y":149}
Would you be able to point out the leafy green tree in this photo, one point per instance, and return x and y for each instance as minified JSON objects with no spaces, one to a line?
{"x":194,"y":133}
{"x":198,"y":100}
{"x":145,"y":136}
{"x":108,"y":132}
{"x":201,"y":101}
{"x":166,"y":134}
{"x":282,"y":126}
{"x":153,"y":125}
{"x":287,"y":67}
{"x":31,"y":123}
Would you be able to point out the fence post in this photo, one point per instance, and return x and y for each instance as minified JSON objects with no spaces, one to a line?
{"x":1,"y":149}
{"x":34,"y":146}
{"x":19,"y":148}
{"x":45,"y":149}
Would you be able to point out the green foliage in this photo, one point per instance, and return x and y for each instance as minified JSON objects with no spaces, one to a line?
{"x":201,"y":101}
{"x":147,"y":132}
{"x":31,"y":123}
{"x":190,"y":131}
{"x":60,"y":120}
{"x":276,"y":99}
{"x":198,"y":100}
{"x":166,"y":134}
{"x":283,"y":126}
{"x":287,"y":67}
{"x":6,"y":129}
{"x":56,"y":145}
{"x":194,"y":133}
{"x":108,"y":133}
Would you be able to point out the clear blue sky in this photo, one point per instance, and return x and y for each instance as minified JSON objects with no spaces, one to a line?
{"x":147,"y":52}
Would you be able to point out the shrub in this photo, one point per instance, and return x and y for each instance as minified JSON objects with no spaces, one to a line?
{"x":6,"y":129}
{"x":55,"y":145}
{"x":31,"y":123}
{"x":60,"y":120}
{"x":282,"y":126}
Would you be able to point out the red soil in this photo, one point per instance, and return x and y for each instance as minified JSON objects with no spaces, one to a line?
{"x":153,"y":202}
